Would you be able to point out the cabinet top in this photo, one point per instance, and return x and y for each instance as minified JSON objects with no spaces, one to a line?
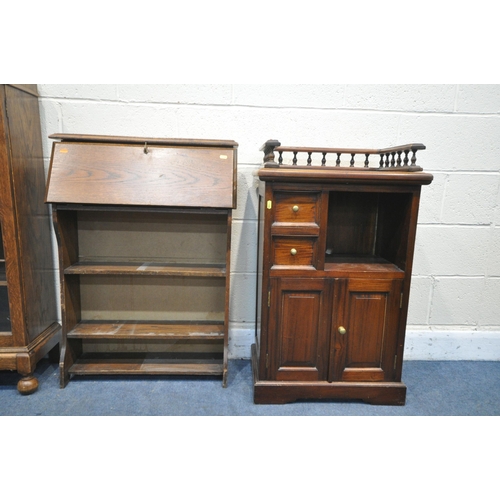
{"x":138,"y":171}
{"x":116,"y":139}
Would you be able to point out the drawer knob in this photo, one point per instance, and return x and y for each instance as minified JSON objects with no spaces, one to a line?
{"x":295,"y":208}
{"x":293,"y":251}
{"x":342,"y":330}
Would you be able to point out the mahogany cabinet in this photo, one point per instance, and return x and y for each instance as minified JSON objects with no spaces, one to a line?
{"x":144,"y":234}
{"x":29,"y":327}
{"x":335,"y":251}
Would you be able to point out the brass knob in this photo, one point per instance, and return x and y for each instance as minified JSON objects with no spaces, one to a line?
{"x":293,"y":251}
{"x":342,"y":330}
{"x":295,"y":208}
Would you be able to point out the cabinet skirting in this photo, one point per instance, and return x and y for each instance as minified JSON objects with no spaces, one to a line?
{"x":279,"y":392}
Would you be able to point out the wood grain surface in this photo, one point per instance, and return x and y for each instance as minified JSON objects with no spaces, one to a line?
{"x":126,"y":175}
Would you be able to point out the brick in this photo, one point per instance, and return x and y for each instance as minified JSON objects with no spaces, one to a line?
{"x":401,"y":97}
{"x":454,"y":142}
{"x":456,"y":301}
{"x":420,"y":293}
{"x":94,"y":91}
{"x":206,"y":122}
{"x":243,"y":246}
{"x":451,"y":250}
{"x":328,"y":96}
{"x":478,"y":98}
{"x":336,"y":128}
{"x":176,"y":93}
{"x":50,"y":123}
{"x":490,"y":303}
{"x":92,"y":117}
{"x":431,"y":199}
{"x":242,"y":298}
{"x":241,"y":337}
{"x":470,"y":198}
{"x":496,"y":213}
{"x":493,"y":267}
{"x":247,"y":198}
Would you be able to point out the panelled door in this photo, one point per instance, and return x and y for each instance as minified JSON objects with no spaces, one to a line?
{"x":299,"y":326}
{"x":364,"y":332}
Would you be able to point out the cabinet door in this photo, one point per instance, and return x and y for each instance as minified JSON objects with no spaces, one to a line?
{"x":299,"y":329}
{"x":364,"y":330}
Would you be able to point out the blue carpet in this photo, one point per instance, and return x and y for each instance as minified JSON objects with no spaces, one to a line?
{"x":435,"y":388}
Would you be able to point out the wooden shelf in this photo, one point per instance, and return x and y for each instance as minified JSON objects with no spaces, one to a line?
{"x":148,"y":269}
{"x":147,"y":364}
{"x":143,"y":330}
{"x":363,"y":264}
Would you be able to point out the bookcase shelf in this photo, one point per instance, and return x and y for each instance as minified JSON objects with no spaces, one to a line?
{"x":177,"y":330}
{"x":147,"y":269}
{"x":144,"y":260}
{"x":146,"y":364}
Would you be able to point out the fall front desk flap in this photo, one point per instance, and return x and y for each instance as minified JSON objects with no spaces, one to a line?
{"x":108,"y":170}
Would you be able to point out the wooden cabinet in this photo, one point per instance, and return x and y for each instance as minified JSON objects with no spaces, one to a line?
{"x":335,"y":256}
{"x":29,"y":327}
{"x":144,"y":234}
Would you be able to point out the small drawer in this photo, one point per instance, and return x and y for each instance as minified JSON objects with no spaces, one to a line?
{"x":294,"y":251}
{"x":296,"y":208}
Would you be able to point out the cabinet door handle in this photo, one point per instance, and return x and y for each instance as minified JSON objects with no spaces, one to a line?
{"x":295,"y":208}
{"x":342,"y":330}
{"x":293,"y":251}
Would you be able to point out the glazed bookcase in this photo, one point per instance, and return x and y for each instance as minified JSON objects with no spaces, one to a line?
{"x":29,"y":327}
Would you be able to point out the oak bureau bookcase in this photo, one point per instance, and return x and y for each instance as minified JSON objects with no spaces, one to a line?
{"x":29,"y":327}
{"x":144,"y":234}
{"x":335,"y":251}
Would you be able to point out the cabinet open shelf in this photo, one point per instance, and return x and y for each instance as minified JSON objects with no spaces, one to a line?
{"x":368,"y":227}
{"x":349,"y":264}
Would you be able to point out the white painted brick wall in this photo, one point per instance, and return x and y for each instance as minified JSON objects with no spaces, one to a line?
{"x":455,"y":299}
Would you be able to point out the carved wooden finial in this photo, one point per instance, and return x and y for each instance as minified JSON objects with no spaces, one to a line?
{"x":268,"y":149}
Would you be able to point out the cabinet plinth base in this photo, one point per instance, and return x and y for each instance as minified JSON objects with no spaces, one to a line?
{"x":25,"y":358}
{"x":279,"y":392}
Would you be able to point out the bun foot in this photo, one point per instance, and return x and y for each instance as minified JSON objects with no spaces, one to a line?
{"x":27,"y":385}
